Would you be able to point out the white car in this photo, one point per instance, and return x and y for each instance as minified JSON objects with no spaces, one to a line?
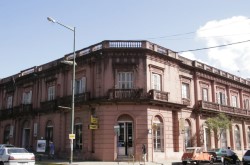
{"x":6,"y":145}
{"x":16,"y":156}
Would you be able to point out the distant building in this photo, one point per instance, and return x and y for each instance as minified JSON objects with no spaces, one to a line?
{"x":127,"y":93}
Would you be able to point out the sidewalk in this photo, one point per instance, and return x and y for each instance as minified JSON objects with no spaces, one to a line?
{"x":63,"y":162}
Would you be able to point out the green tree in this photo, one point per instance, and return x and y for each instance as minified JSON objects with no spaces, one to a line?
{"x":218,"y":124}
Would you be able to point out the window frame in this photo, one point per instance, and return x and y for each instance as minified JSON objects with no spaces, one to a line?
{"x":9,"y":102}
{"x":80,"y":85}
{"x":234,"y":101}
{"x":221,"y":98}
{"x":125,"y":80}
{"x":51,"y":92}
{"x":185,"y":90}
{"x":158,"y":134}
{"x":246,"y":103}
{"x":156,"y":81}
{"x":187,"y":134}
{"x":205,"y":94}
{"x":27,"y":97}
{"x":237,"y":137}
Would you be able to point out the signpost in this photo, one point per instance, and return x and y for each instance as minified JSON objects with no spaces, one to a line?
{"x":94,"y":122}
{"x":72,"y":136}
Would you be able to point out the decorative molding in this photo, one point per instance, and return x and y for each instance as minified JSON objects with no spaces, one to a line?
{"x":219,"y":80}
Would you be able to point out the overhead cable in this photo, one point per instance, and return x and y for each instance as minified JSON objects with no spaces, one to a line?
{"x":212,"y":47}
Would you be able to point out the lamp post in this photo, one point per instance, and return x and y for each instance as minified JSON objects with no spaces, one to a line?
{"x":73,"y":84}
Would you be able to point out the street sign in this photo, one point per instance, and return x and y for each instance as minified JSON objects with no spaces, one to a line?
{"x":72,"y":136}
{"x":91,"y":126}
{"x":94,"y":120}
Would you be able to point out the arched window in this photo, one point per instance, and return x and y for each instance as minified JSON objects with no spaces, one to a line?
{"x":158,"y":134}
{"x":223,"y":139}
{"x":248,"y":136}
{"x":188,"y":135}
{"x":237,"y":137}
{"x":207,"y":138}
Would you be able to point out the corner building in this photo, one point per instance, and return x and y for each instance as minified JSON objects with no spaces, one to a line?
{"x":127,"y":93}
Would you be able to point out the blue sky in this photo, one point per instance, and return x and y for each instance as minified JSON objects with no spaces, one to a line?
{"x":28,"y":39}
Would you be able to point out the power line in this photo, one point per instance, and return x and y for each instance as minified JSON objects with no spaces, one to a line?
{"x":212,"y":47}
{"x":192,"y":32}
{"x":221,"y":36}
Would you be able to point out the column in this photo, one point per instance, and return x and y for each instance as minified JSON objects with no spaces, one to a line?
{"x":213,"y":88}
{"x":244,"y":135}
{"x":198,"y":135}
{"x":230,"y":137}
{"x":241,"y":99}
{"x":228,"y":95}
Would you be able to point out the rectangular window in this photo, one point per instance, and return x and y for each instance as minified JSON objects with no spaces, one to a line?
{"x":27,"y":96}
{"x":204,"y":94}
{"x":125,"y":80}
{"x":51,"y":93}
{"x":9,"y":102}
{"x":221,"y":98}
{"x":185,"y":93}
{"x":246,"y":104}
{"x":80,"y":85}
{"x":156,"y":81}
{"x":234,"y":101}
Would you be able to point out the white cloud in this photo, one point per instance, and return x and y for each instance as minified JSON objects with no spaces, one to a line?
{"x":231,"y":58}
{"x":188,"y":55}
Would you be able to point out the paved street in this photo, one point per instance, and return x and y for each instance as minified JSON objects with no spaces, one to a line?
{"x":61,"y":162}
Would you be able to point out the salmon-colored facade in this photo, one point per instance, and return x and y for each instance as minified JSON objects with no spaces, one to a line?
{"x":127,"y":93}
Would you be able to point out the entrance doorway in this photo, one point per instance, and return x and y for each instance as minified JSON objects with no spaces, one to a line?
{"x":6,"y":135}
{"x":26,"y":136}
{"x":125,"y":138}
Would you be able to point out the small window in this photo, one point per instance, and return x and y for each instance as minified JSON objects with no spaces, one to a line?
{"x":9,"y":102}
{"x":80,"y":85}
{"x":185,"y":91}
{"x":27,"y":96}
{"x":246,"y":104}
{"x":156,"y":81}
{"x":221,"y":98}
{"x":204,"y":94}
{"x":51,"y":93}
{"x":234,"y":101}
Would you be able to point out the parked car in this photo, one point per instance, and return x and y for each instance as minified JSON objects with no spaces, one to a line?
{"x":220,"y":153}
{"x":196,"y":155}
{"x":6,"y":145}
{"x":15,"y":155}
{"x":246,"y":158}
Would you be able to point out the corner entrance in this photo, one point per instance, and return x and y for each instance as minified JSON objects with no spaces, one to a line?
{"x":125,"y":138}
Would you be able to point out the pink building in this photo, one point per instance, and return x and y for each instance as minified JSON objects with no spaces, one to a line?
{"x":127,"y":93}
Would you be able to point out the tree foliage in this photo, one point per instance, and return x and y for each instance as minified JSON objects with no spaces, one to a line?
{"x":218,"y":124}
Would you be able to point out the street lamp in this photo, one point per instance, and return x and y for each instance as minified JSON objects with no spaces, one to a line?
{"x":73,"y":84}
